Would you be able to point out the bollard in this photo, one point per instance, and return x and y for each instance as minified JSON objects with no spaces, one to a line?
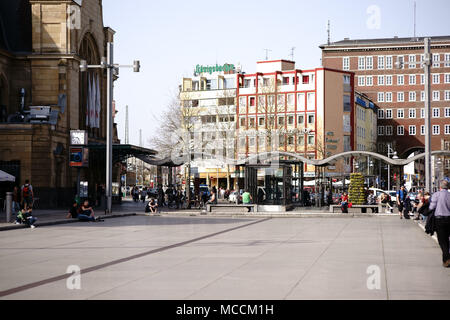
{"x":9,"y":196}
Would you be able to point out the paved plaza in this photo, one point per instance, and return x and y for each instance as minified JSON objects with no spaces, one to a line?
{"x":143,"y":257}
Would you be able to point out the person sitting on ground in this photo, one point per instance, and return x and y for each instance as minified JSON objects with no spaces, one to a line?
{"x":87,"y":213}
{"x":75,"y":213}
{"x":25,"y":216}
{"x":152,"y":206}
{"x":247,"y":199}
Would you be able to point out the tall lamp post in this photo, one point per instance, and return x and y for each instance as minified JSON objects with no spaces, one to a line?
{"x":426,"y":64}
{"x":394,"y":156}
{"x":111,"y":69}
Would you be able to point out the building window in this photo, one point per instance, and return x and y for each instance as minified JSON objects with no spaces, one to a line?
{"x":361,"y":80}
{"x":369,"y":63}
{"x":290,"y":100}
{"x":400,"y":130}
{"x":412,"y":79}
{"x":346,"y":79}
{"x":252,"y":101}
{"x":261,"y":101}
{"x":422,"y":130}
{"x":435,"y":78}
{"x":280,"y":100}
{"x":311,"y":140}
{"x":412,"y":96}
{"x":412,"y":130}
{"x":436,"y":112}
{"x":388,"y":62}
{"x":422,"y":79}
{"x":301,"y":140}
{"x":271,"y":100}
{"x":301,"y":101}
{"x":252,"y":122}
{"x":447,"y":78}
{"x":447,"y":95}
{"x":347,"y":105}
{"x":380,"y":62}
{"x":242,"y":122}
{"x":285,"y":81}
{"x":281,"y":121}
{"x":261,"y":121}
{"x":311,"y":101}
{"x":301,"y":120}
{"x":380,"y":96}
{"x":305,"y":79}
{"x":400,"y":80}
{"x":361,"y":63}
{"x":435,"y":95}
{"x":436,"y":60}
{"x":380,"y":114}
{"x":369,"y":81}
{"x":422,"y":113}
{"x":400,"y":97}
{"x":400,"y":113}
{"x":447,"y":59}
{"x":388,"y":114}
{"x":380,"y":130}
{"x":290,"y":120}
{"x":389,"y":80}
{"x":436,"y":130}
{"x":412,"y":113}
{"x":311,"y":119}
{"x":412,"y":58}
{"x":447,"y":112}
{"x":389,"y":130}
{"x":388,"y":96}
{"x":401,"y":60}
{"x":422,"y":96}
{"x":346,"y":63}
{"x":447,"y":129}
{"x":242,"y":101}
{"x":381,"y":80}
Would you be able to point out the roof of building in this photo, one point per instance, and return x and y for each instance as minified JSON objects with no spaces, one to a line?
{"x":15,"y":26}
{"x":383,"y":41}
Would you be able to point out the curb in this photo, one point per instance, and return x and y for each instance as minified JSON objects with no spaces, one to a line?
{"x":58,"y":222}
{"x":434,"y":236}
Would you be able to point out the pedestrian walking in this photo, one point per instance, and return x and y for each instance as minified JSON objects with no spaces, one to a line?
{"x":26,"y":192}
{"x":440,"y":203}
{"x":247,"y":199}
{"x":403,"y":202}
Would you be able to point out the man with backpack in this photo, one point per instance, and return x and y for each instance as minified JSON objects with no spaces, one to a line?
{"x":27,"y":194}
{"x":403,"y":202}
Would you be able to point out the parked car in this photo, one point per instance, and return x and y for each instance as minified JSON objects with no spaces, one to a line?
{"x":233,"y":196}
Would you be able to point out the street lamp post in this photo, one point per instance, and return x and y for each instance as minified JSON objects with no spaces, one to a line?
{"x":394,"y":154}
{"x":112,"y":69}
{"x":426,"y":63}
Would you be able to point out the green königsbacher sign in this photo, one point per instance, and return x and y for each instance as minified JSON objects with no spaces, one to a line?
{"x":216,"y":68}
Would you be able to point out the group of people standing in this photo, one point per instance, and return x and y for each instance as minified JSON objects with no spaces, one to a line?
{"x":22,"y":204}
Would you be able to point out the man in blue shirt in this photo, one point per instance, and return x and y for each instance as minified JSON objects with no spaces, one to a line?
{"x":440,"y":202}
{"x":403,"y":202}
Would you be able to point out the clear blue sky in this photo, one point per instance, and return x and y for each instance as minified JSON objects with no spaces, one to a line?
{"x":171,"y":37}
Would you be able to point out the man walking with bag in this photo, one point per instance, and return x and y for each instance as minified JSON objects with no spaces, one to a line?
{"x":440,"y":202}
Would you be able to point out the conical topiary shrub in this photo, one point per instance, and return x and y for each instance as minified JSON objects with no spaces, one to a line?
{"x":356,"y":189}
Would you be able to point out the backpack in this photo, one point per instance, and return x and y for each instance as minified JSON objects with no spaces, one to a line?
{"x":26,"y":191}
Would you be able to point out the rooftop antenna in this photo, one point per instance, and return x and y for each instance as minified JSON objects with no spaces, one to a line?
{"x":292,"y":53}
{"x":415,"y":35}
{"x":267,"y":53}
{"x":329,"y":33}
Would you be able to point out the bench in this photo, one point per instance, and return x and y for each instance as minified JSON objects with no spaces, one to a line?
{"x":381,"y":207}
{"x":209,"y":206}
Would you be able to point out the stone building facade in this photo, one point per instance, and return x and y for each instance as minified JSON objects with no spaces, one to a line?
{"x":41,"y":46}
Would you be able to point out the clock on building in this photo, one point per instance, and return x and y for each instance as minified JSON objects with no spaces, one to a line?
{"x":78,"y":137}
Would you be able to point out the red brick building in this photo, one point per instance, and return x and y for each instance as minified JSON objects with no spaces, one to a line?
{"x":399,"y":93}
